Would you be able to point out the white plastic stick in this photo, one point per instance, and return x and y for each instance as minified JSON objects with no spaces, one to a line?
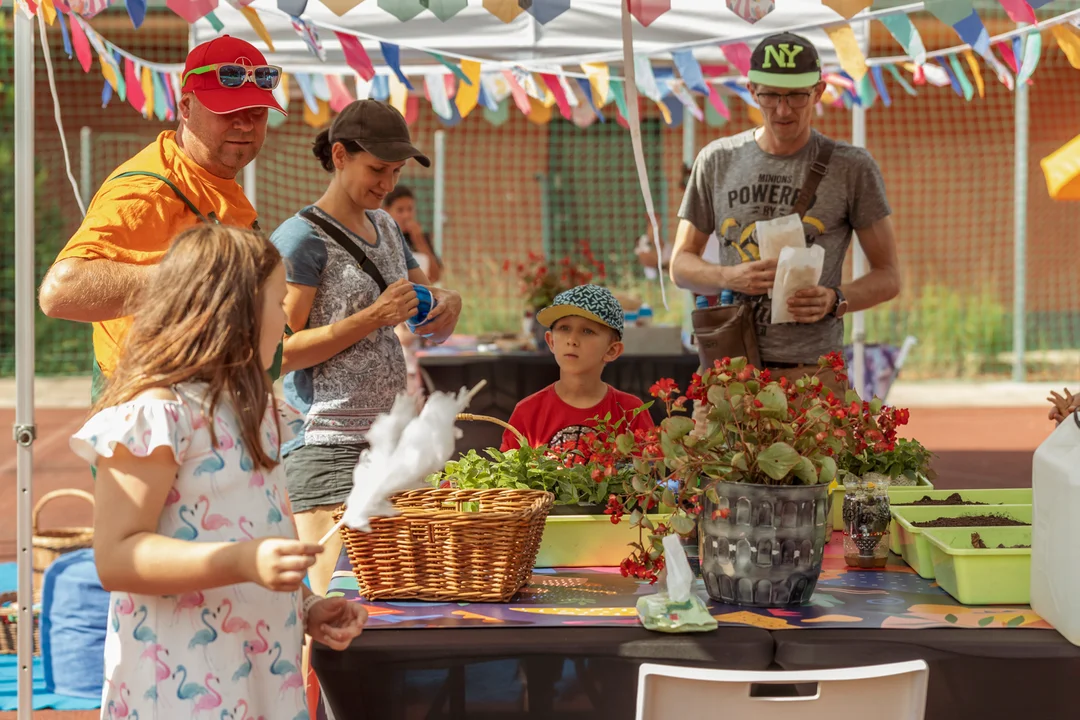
{"x":341,"y":523}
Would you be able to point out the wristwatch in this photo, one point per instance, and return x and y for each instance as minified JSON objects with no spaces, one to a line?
{"x":840,"y":308}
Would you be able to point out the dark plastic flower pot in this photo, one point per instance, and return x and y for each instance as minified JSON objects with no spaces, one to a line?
{"x":767,"y":552}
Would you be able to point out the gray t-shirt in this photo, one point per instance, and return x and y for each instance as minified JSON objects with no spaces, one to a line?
{"x":734,"y":184}
{"x":342,"y":396}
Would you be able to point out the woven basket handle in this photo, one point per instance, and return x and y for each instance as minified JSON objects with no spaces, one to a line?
{"x":467,"y":417}
{"x":67,"y":492}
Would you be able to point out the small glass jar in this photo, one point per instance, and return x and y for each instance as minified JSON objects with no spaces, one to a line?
{"x":866,"y":520}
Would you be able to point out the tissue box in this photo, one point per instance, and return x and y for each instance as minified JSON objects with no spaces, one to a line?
{"x":653,"y":340}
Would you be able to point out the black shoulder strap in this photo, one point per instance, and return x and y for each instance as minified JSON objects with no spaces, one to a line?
{"x":817,"y":171}
{"x":167,"y":181}
{"x":351,"y":247}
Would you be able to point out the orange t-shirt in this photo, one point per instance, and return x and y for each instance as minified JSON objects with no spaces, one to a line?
{"x":134,"y":220}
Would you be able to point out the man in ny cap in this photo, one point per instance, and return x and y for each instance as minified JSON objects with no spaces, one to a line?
{"x":757,"y":175}
{"x":182,"y":178}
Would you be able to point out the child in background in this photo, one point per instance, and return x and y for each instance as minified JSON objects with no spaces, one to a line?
{"x":585,"y":334}
{"x":193,"y":532}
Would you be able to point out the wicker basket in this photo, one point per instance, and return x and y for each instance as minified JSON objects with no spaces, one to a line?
{"x":436,"y":551}
{"x":48,"y":545}
{"x":9,"y":625}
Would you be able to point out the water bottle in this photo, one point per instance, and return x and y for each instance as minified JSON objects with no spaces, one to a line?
{"x":630,"y":318}
{"x":645,"y":316}
{"x":727,"y":298}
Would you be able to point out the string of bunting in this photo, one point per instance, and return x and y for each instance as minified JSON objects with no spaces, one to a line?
{"x":455,"y":89}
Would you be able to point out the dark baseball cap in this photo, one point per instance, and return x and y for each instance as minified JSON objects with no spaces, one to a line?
{"x":785,"y":60}
{"x":379,"y":129}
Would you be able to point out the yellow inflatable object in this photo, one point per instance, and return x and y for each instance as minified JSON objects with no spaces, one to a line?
{"x":1062,"y":171}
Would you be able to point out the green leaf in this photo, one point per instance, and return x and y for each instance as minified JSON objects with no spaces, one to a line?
{"x":875,"y":406}
{"x":647,"y":523}
{"x":711,"y":493}
{"x":774,"y":401}
{"x":682,"y":524}
{"x":668,"y":498}
{"x":986,"y":621}
{"x":625,"y":443}
{"x":778,"y":460}
{"x":678,"y":427}
{"x":950,"y":618}
{"x":667,"y":444}
{"x":828,"y":470}
{"x":1016,"y":621}
{"x":736,"y":388}
{"x":635,"y":518}
{"x":738,"y":460}
{"x":805,"y":471}
{"x":738,"y":363}
{"x":852,"y":396}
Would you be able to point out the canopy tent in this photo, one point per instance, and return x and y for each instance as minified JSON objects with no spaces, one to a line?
{"x":588,"y":32}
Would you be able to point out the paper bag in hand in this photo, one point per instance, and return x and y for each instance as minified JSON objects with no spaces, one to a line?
{"x":797,"y":269}
{"x":775,"y":235}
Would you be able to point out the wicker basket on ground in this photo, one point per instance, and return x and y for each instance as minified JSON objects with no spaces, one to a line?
{"x":48,"y":545}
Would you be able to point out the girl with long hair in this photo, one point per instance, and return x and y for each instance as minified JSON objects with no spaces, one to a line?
{"x":193,"y":531}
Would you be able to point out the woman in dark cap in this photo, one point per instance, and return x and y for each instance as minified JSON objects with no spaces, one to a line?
{"x":350,"y":282}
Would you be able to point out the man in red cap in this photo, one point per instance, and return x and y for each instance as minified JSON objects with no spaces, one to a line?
{"x":182,"y":178}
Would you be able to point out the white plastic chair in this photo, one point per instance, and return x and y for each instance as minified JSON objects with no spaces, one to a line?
{"x":888,"y":692}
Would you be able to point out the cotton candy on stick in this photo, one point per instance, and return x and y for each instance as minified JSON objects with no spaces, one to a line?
{"x":404,"y":449}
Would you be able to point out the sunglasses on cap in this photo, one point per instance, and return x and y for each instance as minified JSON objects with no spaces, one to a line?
{"x":234,"y":75}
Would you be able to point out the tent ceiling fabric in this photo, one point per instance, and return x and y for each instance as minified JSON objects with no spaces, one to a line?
{"x":590,"y":27}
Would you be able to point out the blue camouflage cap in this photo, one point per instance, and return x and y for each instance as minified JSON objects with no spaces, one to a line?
{"x":588,"y":301}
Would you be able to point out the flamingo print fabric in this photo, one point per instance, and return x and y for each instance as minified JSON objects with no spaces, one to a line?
{"x":227,"y":652}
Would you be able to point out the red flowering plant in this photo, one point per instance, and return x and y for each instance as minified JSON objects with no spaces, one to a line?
{"x":758,"y":430}
{"x":541,"y":279}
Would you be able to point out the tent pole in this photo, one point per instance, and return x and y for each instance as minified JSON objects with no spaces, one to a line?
{"x":858,"y":258}
{"x":25,"y":273}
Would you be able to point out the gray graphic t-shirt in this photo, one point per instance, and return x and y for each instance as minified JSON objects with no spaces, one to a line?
{"x":734,"y":184}
{"x":342,"y":396}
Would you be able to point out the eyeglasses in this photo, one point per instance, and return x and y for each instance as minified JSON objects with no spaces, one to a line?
{"x":795,"y":100}
{"x":234,"y":75}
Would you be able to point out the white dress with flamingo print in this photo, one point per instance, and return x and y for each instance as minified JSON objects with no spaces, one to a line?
{"x":231,"y":652}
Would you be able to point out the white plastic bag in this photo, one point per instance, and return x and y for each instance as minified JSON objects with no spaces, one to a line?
{"x":675,"y":609}
{"x":797,"y":269}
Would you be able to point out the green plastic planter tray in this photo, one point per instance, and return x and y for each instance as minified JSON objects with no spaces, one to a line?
{"x":1008,"y":496}
{"x":836,"y":497}
{"x":994,"y":576}
{"x":913,"y":543}
{"x":587,"y":541}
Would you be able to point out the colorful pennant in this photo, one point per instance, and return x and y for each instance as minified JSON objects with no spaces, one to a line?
{"x":847,"y":50}
{"x":847,"y":8}
{"x":961,"y":77}
{"x":1032,"y":52}
{"x":81,"y":45}
{"x":445,"y":9}
{"x":738,"y":54}
{"x":340,"y":7}
{"x":976,"y":72}
{"x":355,"y":55}
{"x":599,"y":80}
{"x":879,"y":84}
{"x":191,"y":10}
{"x":545,"y":10}
{"x":468,"y":95}
{"x":309,"y":35}
{"x":690,"y":70}
{"x":257,"y":25}
{"x":505,"y":10}
{"x":751,"y":10}
{"x":136,"y":11}
{"x":1068,"y":39}
{"x":905,"y":33}
{"x":521,"y":97}
{"x":646,"y":11}
{"x":402,"y":9}
{"x":392,"y":55}
{"x":1019,"y":11}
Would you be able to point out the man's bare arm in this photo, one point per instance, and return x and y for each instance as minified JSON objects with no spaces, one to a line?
{"x":92,"y":290}
{"x":688,"y":270}
{"x":882,"y":283}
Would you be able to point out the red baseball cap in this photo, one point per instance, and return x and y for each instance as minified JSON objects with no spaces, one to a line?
{"x":222,"y":100}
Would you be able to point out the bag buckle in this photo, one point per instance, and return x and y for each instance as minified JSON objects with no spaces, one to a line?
{"x":819,"y":167}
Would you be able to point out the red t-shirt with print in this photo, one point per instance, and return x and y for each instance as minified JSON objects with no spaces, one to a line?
{"x":544,"y":418}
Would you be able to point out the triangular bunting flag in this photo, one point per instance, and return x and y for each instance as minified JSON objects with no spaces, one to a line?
{"x":505,"y":10}
{"x":539,"y":113}
{"x":587,"y":95}
{"x":848,"y":8}
{"x":1068,"y":39}
{"x":68,"y":50}
{"x":452,"y":67}
{"x":847,"y":50}
{"x":339,"y":7}
{"x":645,"y":79}
{"x":136,"y":11}
{"x":976,"y":72}
{"x":521,"y":98}
{"x":380,"y":88}
{"x":690,"y":70}
{"x":879,"y":85}
{"x":619,"y":95}
{"x":599,"y":79}
{"x":191,"y":10}
{"x":81,"y":45}
{"x":961,"y":77}
{"x":738,"y":54}
{"x":716,"y":112}
{"x":905,"y":33}
{"x":972,"y":31}
{"x":499,"y":115}
{"x":671,"y":110}
{"x":292,"y":7}
{"x":340,"y":97}
{"x":167,"y":95}
{"x":436,"y":92}
{"x":311,"y":103}
{"x":556,"y":89}
{"x":356,"y":56}
{"x":106,"y":94}
{"x":49,"y":11}
{"x":147,"y":87}
{"x":468,"y":95}
{"x":161,"y":110}
{"x":133,"y":83}
{"x":1019,"y":11}
{"x":412,"y":109}
{"x":320,"y":117}
{"x":319,"y":87}
{"x":900,"y":80}
{"x":445,"y":9}
{"x":399,"y":95}
{"x":489,"y":91}
{"x":751,"y":10}
{"x":281,"y":93}
{"x":1007,"y":55}
{"x":546,"y":10}
{"x":392,"y":54}
{"x":257,"y":25}
{"x":451,"y":83}
{"x":1032,"y":52}
{"x":309,"y":35}
{"x":402,"y":9}
{"x":949,"y":12}
{"x":646,"y":11}
{"x":682,"y":94}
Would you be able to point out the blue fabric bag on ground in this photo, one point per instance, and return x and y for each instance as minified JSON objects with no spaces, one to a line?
{"x":74,"y":618}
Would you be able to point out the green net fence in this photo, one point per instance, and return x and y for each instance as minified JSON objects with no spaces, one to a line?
{"x":512,"y":187}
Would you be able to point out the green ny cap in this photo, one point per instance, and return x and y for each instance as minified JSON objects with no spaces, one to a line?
{"x":785,"y":60}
